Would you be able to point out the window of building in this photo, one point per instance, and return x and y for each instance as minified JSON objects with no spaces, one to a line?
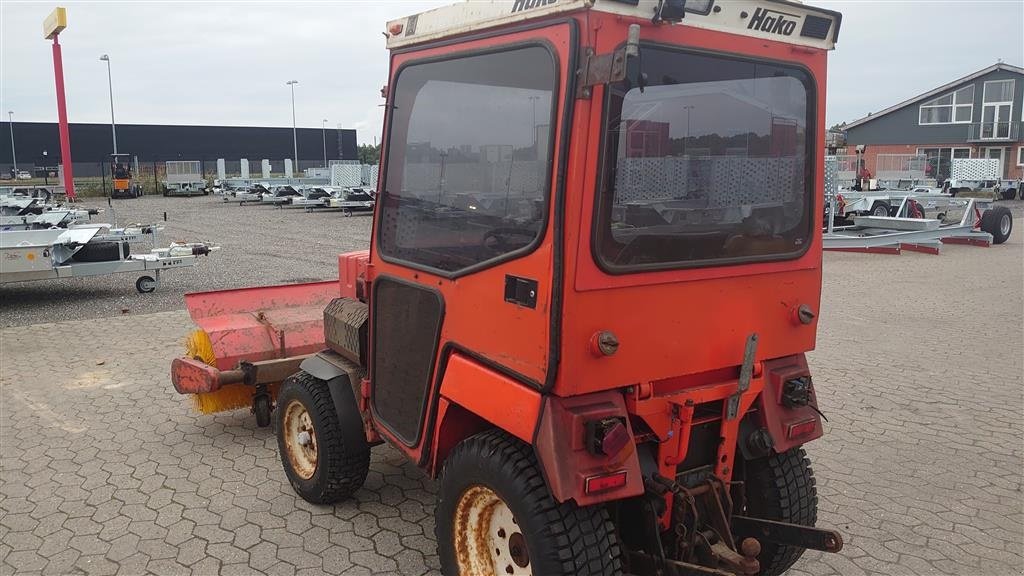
{"x":1020,"y":156}
{"x":996,"y":110}
{"x":940,"y":160}
{"x":953,"y":108}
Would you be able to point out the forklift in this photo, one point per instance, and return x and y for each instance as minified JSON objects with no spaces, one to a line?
{"x":124,"y":185}
{"x":594,"y":274}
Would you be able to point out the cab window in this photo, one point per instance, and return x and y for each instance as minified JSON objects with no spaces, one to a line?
{"x":469,"y":159}
{"x":707,"y":161}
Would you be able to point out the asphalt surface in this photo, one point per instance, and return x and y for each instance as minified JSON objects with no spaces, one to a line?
{"x":260,"y":246}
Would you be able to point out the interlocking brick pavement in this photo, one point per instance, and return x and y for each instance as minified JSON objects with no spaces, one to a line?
{"x":105,"y":470}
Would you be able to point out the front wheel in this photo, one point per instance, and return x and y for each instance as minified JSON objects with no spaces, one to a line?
{"x":781,"y":488}
{"x":145,"y":284}
{"x":317,"y":462}
{"x":495,"y":515}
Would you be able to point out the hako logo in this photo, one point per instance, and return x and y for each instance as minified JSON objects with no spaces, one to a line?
{"x":521,"y":5}
{"x":772,"y":22}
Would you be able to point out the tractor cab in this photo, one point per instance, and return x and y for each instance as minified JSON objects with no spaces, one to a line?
{"x":594,"y":271}
{"x":124,"y":185}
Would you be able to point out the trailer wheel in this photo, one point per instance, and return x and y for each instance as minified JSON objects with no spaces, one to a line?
{"x":145,"y":284}
{"x":101,"y":252}
{"x":319,"y":466}
{"x":997,"y":221}
{"x":880,"y":208}
{"x":495,"y":515}
{"x":1009,"y":194}
{"x":261,"y":408}
{"x":781,"y":488}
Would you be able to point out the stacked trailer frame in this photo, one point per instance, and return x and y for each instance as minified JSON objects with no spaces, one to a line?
{"x":184,"y":178}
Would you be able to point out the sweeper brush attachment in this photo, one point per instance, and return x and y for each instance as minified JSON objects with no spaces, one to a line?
{"x":230,"y":397}
{"x":247,"y":341}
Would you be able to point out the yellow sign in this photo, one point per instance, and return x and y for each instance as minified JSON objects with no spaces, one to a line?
{"x":55,"y":23}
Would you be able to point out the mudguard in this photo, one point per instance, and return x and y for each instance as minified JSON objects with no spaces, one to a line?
{"x":343,"y":379}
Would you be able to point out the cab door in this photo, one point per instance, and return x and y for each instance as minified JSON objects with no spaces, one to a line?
{"x":464,"y":236}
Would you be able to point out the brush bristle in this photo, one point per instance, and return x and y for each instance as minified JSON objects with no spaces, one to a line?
{"x":199,"y":347}
{"x":230,"y":397}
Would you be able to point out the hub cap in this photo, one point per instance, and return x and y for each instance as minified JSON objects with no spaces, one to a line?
{"x":300,"y":440}
{"x":1004,"y":224}
{"x":488,"y":539}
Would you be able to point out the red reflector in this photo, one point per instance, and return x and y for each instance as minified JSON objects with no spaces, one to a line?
{"x":606,"y":482}
{"x":396,"y":29}
{"x":801,"y":428}
{"x":615,"y":439}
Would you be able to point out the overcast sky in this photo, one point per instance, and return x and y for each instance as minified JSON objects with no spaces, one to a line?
{"x":219,"y":63}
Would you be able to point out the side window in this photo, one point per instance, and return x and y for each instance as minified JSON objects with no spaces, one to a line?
{"x":467,"y":173}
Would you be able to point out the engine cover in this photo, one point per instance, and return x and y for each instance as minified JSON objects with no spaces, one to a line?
{"x":345,"y":328}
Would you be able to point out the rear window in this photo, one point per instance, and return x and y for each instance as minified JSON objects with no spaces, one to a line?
{"x":468,"y":159}
{"x":706,"y":162}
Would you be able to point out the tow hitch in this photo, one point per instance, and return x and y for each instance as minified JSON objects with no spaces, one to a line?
{"x":707,"y":538}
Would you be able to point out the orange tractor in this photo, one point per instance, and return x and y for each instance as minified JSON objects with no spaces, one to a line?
{"x":594,"y":272}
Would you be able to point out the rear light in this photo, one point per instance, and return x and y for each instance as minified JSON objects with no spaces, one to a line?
{"x":606,"y":437}
{"x":606,"y":482}
{"x":801,"y":429}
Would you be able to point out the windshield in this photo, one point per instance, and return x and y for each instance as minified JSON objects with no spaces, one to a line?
{"x":706,"y":162}
{"x":468,"y":159}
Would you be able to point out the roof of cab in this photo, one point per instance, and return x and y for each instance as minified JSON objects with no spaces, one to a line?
{"x":782,"y":20}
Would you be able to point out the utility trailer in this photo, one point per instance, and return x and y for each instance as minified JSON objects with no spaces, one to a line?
{"x":93,"y":250}
{"x":591,"y":328}
{"x":972,"y":174}
{"x":918,"y":220}
{"x":185,"y":178}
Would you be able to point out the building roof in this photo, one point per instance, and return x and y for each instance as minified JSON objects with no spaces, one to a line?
{"x":937,"y":91}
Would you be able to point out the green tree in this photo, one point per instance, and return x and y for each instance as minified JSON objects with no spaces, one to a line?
{"x":369,"y":154}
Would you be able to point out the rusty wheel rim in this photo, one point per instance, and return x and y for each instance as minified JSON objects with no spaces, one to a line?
{"x":300,"y":440}
{"x":487,"y":536}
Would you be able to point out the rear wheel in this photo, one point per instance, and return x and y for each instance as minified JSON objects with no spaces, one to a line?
{"x":319,"y":466}
{"x":998,"y":221}
{"x":495,"y":515}
{"x":781,"y":488}
{"x":880,"y":209}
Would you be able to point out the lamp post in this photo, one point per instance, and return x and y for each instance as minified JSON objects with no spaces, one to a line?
{"x":110,"y":85}
{"x":325,"y":141}
{"x":295,"y":137}
{"x":685,"y":143}
{"x":14,"y":156}
{"x":533,"y":100}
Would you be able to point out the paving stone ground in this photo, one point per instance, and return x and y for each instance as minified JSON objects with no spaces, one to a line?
{"x":104,"y":469}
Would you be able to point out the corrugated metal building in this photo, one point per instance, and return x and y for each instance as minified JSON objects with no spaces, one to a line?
{"x":91,"y":144}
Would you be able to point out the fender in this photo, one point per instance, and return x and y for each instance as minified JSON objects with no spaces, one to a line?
{"x":343,"y":378}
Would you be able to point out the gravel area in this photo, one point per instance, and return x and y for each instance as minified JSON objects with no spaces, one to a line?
{"x":260,"y":245}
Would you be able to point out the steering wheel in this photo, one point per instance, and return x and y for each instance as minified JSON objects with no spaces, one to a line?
{"x":498,"y":239}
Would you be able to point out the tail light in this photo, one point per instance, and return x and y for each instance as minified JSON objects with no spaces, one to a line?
{"x":605,"y":482}
{"x":802,"y":428}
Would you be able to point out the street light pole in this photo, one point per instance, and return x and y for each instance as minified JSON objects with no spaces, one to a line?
{"x":295,"y":137}
{"x":325,"y":141}
{"x":14,"y":156}
{"x":533,"y":100}
{"x":110,"y":85}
